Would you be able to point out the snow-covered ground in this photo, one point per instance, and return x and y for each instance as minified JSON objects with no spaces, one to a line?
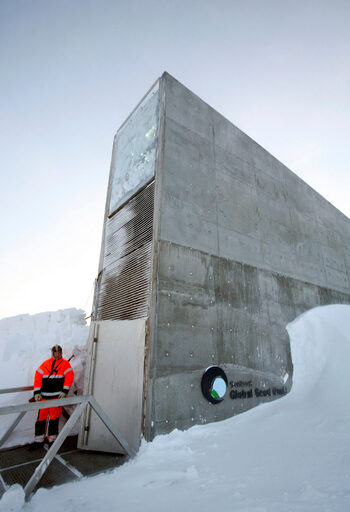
{"x":290,"y":455}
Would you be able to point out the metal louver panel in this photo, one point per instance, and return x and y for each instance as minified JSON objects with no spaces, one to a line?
{"x":125,"y":280}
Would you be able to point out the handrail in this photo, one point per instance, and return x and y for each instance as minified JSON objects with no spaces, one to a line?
{"x":36,"y":406}
{"x":19,"y":417}
{"x":15,"y":390}
{"x":82,"y":402}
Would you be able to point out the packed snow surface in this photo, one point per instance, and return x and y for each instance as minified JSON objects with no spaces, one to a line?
{"x":289,"y":455}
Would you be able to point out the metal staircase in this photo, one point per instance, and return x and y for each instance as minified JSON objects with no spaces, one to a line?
{"x":59,"y":463}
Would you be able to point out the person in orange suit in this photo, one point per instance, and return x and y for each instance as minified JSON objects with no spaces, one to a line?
{"x":52,"y":380}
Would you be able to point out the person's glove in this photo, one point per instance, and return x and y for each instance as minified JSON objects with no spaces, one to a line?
{"x":37,"y":397}
{"x":63,"y":394}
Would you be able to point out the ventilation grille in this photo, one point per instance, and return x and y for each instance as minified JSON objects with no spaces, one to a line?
{"x":125,"y":280}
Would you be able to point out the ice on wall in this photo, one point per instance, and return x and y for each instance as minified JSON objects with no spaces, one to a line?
{"x":134,"y":152}
{"x":25,"y":342}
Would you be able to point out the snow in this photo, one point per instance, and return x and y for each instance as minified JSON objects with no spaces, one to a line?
{"x":289,"y":455}
{"x":25,"y":342}
{"x":13,"y":499}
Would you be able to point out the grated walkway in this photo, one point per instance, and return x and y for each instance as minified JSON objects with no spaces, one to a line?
{"x":18,"y":464}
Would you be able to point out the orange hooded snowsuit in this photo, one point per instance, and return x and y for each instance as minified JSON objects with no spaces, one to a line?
{"x":51,"y":378}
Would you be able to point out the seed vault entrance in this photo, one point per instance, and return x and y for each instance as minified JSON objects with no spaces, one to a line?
{"x":219,"y":246}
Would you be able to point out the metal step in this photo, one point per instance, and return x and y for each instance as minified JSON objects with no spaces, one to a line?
{"x":18,"y":464}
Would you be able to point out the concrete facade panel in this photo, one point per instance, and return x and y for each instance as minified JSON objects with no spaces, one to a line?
{"x":183,"y":396}
{"x":230,"y":139}
{"x":182,"y":228}
{"x":197,"y":200}
{"x":182,"y":106}
{"x":337,"y":278}
{"x":329,"y":217}
{"x":299,"y":196}
{"x":237,"y":285}
{"x":188,"y":306}
{"x":308,"y":250}
{"x":239,"y":247}
{"x":273,"y":209}
{"x":332,"y":258}
{"x":311,"y":272}
{"x":241,"y":343}
{"x":233,"y":165}
{"x":233,"y":197}
{"x":332,"y":238}
{"x":280,"y":259}
{"x":266,"y":164}
{"x":187,"y":155}
{"x":279,"y":235}
{"x":347,"y":261}
{"x":182,"y":264}
{"x":271,"y":187}
{"x":183,"y":348}
{"x":310,"y":229}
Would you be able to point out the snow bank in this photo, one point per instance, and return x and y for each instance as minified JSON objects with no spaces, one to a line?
{"x":13,"y":499}
{"x":25,"y":342}
{"x":291,"y":455}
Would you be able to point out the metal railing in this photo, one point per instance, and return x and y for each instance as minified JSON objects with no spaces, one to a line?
{"x":19,"y":417}
{"x":82,"y":402}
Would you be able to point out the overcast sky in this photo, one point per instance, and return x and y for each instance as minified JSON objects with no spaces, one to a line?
{"x":72,"y":70}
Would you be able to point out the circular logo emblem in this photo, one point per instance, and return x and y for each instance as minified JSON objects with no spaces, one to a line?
{"x":214,"y":384}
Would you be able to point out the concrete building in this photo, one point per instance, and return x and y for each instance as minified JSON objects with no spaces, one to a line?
{"x":210,"y":247}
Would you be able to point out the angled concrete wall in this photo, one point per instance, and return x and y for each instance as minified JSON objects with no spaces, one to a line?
{"x":243,"y":246}
{"x":216,"y":246}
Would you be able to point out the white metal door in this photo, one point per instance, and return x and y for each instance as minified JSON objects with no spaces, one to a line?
{"x":116,"y":382}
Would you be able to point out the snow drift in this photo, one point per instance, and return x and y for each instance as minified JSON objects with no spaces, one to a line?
{"x":289,"y":455}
